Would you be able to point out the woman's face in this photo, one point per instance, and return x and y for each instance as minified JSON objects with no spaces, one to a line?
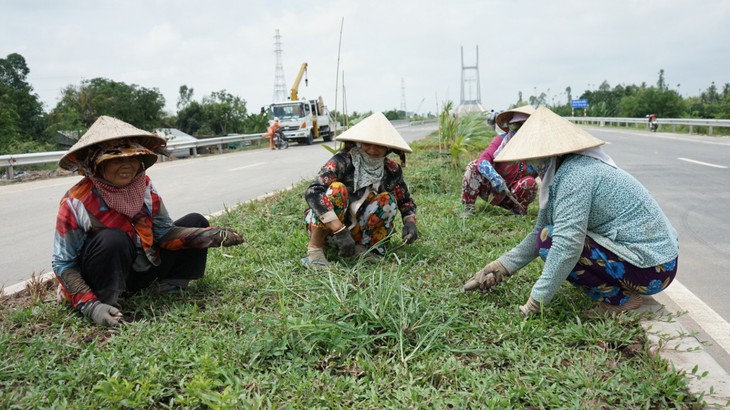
{"x":375,"y":151}
{"x":120,"y":171}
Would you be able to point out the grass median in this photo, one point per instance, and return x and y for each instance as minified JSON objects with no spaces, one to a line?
{"x":261,"y":330}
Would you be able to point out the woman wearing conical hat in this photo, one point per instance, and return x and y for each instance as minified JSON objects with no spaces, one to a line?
{"x":113,"y":232}
{"x":354,"y":199}
{"x":508,"y":185}
{"x":597,"y":227}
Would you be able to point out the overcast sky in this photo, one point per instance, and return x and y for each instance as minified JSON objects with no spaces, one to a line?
{"x":390,"y":49}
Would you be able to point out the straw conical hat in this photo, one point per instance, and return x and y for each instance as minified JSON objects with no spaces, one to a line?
{"x":505,"y":116}
{"x":107,"y":128}
{"x":546,"y":134}
{"x":377,"y":130}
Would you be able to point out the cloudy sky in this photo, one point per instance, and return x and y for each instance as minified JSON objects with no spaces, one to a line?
{"x":390,"y":49}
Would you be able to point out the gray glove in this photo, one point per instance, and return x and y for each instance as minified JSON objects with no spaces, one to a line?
{"x":487,"y":278}
{"x":532,"y":306}
{"x":410,"y":232}
{"x":344,"y":242}
{"x":101,"y":313}
{"x":214,"y":237}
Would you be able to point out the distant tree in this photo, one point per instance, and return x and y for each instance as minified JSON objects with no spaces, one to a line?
{"x":142,"y":107}
{"x":184,"y":98}
{"x":661,"y":84}
{"x":22,"y":120}
{"x":391,"y":115}
{"x":191,"y":118}
{"x":224,"y":112}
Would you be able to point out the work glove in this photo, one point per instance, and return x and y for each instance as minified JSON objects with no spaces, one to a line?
{"x":487,"y":278}
{"x":215,"y":237}
{"x":410,"y":232}
{"x":344,"y":242}
{"x":101,"y":313}
{"x":532,"y":306}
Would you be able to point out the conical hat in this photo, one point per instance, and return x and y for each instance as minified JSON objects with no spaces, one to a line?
{"x":505,"y":116}
{"x":546,"y":134}
{"x":107,"y":128}
{"x":377,"y":130}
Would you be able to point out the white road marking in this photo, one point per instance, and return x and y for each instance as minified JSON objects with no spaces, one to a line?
{"x":707,"y":164}
{"x":247,"y":166}
{"x":713,"y":324}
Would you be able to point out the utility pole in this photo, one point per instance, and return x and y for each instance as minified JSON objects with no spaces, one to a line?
{"x":279,"y":81}
{"x":403,"y":96}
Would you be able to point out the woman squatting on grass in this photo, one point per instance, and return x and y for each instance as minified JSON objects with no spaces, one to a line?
{"x":354,"y":199}
{"x":113,"y":232}
{"x":597,"y":226}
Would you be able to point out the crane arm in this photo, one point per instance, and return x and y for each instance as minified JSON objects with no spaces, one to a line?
{"x":295,"y":86}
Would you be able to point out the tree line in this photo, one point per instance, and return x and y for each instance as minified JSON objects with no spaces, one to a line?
{"x":636,"y":101}
{"x":26,"y":126}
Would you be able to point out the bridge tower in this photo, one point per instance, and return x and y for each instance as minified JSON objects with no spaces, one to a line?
{"x":471,"y":95}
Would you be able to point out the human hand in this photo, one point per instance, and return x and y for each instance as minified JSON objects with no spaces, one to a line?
{"x":102,"y":314}
{"x":344,"y":242}
{"x":410,"y":232}
{"x":226,"y":237}
{"x":487,"y":278}
{"x":532,"y":306}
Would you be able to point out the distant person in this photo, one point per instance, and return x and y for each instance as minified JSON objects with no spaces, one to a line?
{"x":354,"y":199}
{"x":492,"y":119}
{"x":598,"y":227}
{"x":507,"y":185}
{"x":113,"y":232}
{"x":270,"y":133}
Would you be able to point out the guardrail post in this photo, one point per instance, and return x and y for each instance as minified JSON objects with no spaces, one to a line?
{"x":220,"y":148}
{"x":195,"y":151}
{"x":709,"y":132}
{"x":690,"y":128}
{"x":10,"y":172}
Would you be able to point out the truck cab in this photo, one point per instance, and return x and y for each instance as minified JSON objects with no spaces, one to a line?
{"x":302,"y":120}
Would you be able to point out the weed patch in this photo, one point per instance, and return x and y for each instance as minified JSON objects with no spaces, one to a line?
{"x":261,"y":330}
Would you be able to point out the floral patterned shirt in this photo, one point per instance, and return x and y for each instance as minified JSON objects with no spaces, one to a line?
{"x":340,"y":169}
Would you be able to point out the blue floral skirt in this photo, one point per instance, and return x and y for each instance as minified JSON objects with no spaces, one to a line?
{"x":605,"y":277}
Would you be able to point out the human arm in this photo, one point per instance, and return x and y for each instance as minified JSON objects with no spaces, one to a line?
{"x":396,"y":184}
{"x":336,"y":169}
{"x":570,"y":204}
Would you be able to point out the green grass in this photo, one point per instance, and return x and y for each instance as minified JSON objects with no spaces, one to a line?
{"x":262,"y":331}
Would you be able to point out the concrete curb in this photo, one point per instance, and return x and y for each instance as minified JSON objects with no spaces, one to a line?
{"x":685,"y":351}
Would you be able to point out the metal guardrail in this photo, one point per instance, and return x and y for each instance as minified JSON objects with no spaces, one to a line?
{"x":690,"y":123}
{"x":14,"y":160}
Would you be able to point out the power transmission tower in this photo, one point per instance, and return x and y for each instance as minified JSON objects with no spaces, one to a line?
{"x":279,"y":81}
{"x":403,"y":95}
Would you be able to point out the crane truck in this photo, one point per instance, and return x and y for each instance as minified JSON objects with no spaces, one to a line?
{"x":302,"y":120}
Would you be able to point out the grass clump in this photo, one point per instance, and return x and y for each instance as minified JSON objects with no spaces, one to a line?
{"x":261,"y":330}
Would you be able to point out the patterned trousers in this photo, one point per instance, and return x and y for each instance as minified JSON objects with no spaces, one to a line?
{"x":374,"y":217}
{"x":474,"y":185}
{"x":605,"y":277}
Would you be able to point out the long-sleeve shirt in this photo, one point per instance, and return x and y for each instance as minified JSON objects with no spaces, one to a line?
{"x":590,"y":198}
{"x":340,"y":168}
{"x":511,"y":172}
{"x":82,"y":211}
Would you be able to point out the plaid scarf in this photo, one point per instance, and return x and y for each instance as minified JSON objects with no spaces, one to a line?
{"x":127,"y":200}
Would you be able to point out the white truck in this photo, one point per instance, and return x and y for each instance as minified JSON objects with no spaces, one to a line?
{"x":302,"y":120}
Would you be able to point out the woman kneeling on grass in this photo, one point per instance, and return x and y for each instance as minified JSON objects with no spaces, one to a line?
{"x":597,"y":226}
{"x":113,"y":233}
{"x":355,"y":197}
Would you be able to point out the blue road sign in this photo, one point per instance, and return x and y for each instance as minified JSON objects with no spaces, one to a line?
{"x":581,"y":103}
